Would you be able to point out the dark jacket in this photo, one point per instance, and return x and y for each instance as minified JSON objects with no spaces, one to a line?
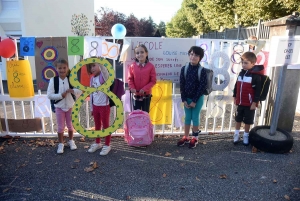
{"x":248,"y":86}
{"x":191,"y":87}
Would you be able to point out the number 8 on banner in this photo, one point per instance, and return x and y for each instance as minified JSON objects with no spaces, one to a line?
{"x":89,"y":90}
{"x":220,"y":71}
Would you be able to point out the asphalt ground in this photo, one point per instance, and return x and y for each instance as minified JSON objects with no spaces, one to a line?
{"x":216,"y":169}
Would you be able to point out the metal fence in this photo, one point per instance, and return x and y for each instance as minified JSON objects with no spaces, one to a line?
{"x":241,"y":33}
{"x":221,"y":121}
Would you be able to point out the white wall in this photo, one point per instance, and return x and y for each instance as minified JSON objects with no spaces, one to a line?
{"x":53,"y":17}
{"x":45,"y":18}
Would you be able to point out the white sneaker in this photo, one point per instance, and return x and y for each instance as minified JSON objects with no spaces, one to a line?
{"x":60,"y":148}
{"x":105,"y":150}
{"x":246,"y":139}
{"x":72,"y":145}
{"x":236,"y":138}
{"x":94,"y":147}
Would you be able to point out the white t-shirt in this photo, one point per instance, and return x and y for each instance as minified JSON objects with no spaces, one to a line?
{"x":99,"y":98}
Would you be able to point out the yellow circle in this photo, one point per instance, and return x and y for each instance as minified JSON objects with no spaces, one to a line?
{"x":87,"y":91}
{"x":52,"y":52}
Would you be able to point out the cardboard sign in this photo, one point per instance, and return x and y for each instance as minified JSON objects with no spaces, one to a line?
{"x":47,"y":51}
{"x":22,"y":125}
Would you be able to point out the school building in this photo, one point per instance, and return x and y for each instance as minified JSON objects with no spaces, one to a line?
{"x":42,"y":19}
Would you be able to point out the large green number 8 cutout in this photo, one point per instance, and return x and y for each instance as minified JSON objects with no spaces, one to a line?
{"x":87,"y":91}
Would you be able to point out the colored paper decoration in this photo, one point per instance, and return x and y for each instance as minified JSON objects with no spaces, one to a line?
{"x":161,"y":103}
{"x":19,"y":79}
{"x":27,"y":46}
{"x":75,"y":45}
{"x":47,"y":51}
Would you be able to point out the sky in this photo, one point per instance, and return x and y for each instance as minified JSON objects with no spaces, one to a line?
{"x":159,"y":10}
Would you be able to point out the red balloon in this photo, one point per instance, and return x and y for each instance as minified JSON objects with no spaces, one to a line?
{"x":7,"y":48}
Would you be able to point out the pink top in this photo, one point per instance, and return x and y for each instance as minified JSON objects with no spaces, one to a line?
{"x":142,"y":77}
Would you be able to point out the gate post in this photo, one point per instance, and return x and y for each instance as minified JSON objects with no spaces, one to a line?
{"x":286,"y":26}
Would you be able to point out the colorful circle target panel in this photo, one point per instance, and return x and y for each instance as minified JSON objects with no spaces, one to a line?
{"x":49,"y":54}
{"x":105,"y":88}
{"x":48,"y":72}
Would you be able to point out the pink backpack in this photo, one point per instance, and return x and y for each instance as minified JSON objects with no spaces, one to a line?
{"x":138,"y":129}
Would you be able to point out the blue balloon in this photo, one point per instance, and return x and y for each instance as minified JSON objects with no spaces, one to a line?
{"x":118,"y":31}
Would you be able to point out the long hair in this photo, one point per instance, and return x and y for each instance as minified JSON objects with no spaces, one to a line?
{"x":146,"y":50}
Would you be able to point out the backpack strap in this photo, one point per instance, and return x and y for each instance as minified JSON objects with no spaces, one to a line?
{"x":199,"y":71}
{"x":71,"y":87}
{"x":185,"y":69}
{"x":56,"y":84}
{"x":56,"y":88}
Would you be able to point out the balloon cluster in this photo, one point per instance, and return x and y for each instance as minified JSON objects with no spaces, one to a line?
{"x":118,"y":31}
{"x":7,"y":48}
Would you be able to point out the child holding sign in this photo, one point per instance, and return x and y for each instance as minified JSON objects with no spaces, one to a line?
{"x":99,"y":106}
{"x":63,"y":94}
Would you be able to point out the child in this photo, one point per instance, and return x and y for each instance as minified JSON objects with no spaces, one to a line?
{"x":63,"y":103}
{"x":251,"y":47}
{"x":100,"y":108}
{"x":192,"y":90}
{"x":246,"y":95}
{"x":141,"y":79}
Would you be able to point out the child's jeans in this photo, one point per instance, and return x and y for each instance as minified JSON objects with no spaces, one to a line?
{"x":192,"y":114}
{"x":101,"y":117}
{"x":63,"y":117}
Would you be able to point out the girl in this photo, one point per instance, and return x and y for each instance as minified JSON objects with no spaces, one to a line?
{"x":100,"y":108}
{"x":192,"y":91}
{"x":64,"y":99}
{"x":141,"y":79}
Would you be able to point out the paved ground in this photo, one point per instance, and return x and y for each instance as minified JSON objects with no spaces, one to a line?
{"x":214,"y":170}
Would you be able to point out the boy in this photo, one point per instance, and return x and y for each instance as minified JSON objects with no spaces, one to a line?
{"x":246,"y":95}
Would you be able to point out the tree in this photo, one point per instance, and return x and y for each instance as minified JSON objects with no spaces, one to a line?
{"x":195,"y":16}
{"x":218,"y":13}
{"x":134,"y":27}
{"x":80,"y":25}
{"x":179,"y":27}
{"x":249,"y":12}
{"x":162,"y":28}
{"x":107,"y":19}
{"x":147,"y":27}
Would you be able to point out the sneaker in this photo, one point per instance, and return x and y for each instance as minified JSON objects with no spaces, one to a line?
{"x":72,"y":145}
{"x":196,"y":133}
{"x":182,"y":141}
{"x":193,"y":143}
{"x":60,"y":148}
{"x":105,"y":150}
{"x":94,"y":147}
{"x":246,"y":140}
{"x":236,"y":138}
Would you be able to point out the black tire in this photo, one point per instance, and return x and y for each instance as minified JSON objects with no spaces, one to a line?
{"x":269,"y":143}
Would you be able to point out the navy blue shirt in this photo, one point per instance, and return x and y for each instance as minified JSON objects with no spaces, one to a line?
{"x":191,"y":87}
